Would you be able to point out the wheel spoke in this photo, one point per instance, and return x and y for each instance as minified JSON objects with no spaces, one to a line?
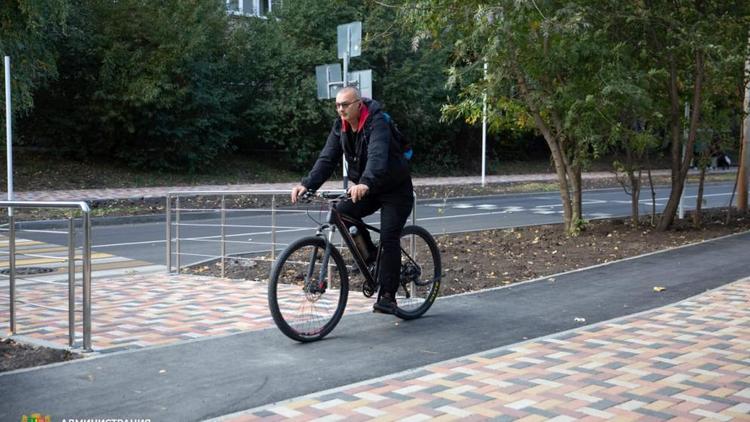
{"x":420,"y":270}
{"x":304,"y":308}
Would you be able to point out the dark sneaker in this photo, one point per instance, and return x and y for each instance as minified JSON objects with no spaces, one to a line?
{"x":385,"y":305}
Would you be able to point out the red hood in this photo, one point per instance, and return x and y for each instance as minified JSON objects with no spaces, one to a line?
{"x":363,"y":113}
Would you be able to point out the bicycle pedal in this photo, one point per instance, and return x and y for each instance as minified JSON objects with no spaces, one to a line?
{"x":368,"y":290}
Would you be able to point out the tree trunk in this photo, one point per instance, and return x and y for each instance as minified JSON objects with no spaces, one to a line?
{"x":697,"y":215}
{"x":562,"y":172}
{"x":635,"y":183}
{"x":742,"y":197}
{"x":556,"y":149}
{"x":680,"y":166}
{"x":577,"y":200}
{"x":653,"y":192}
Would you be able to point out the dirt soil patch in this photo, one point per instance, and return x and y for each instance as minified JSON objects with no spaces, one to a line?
{"x":480,"y":260}
{"x":16,"y":355}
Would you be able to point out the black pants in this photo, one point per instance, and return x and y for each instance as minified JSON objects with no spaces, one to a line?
{"x":395,"y":206}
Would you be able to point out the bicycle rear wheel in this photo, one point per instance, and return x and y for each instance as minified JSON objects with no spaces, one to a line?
{"x":304,"y":307}
{"x":419,"y":282}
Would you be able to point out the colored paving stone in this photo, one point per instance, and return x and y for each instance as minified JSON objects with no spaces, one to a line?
{"x":688,"y":361}
{"x":39,"y":262}
{"x":149,"y":309}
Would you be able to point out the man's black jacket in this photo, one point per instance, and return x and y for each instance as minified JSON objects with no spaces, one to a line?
{"x":374,"y":156}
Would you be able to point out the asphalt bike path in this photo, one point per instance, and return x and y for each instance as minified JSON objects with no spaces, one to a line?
{"x":218,"y":376}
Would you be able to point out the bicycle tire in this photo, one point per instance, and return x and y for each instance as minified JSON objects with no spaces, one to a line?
{"x":427,"y":258}
{"x":293,"y":309}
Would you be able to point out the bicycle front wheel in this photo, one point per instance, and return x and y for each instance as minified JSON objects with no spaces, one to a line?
{"x":420,"y":272}
{"x":307,"y":301}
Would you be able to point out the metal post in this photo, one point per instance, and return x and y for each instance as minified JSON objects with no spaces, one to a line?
{"x":414,"y":210}
{"x":12,"y":267}
{"x":169,"y":233}
{"x":177,"y":233}
{"x":71,"y":283}
{"x":273,"y":227}
{"x":9,"y":133}
{"x":223,"y":235}
{"x":87,"y":281}
{"x":413,"y":243}
{"x":484,"y":126}
{"x":345,"y":170}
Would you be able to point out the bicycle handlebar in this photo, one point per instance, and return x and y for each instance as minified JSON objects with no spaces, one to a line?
{"x":308,"y":196}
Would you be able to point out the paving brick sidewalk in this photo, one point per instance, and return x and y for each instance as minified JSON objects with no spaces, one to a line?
{"x":687,"y":361}
{"x":94,"y":194}
{"x":143,"y":310}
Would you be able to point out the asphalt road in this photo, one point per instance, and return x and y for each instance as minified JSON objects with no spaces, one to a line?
{"x":248,"y":232}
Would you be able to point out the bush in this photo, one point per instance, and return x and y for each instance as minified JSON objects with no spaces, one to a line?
{"x":142,"y":81}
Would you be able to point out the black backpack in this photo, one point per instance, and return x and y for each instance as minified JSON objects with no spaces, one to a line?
{"x":399,"y":137}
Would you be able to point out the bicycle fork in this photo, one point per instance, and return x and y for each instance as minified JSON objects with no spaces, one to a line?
{"x":324,"y":280}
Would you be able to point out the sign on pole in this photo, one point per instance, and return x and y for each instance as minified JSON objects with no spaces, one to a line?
{"x":362,"y":79}
{"x":349,"y":37}
{"x":328,"y":78}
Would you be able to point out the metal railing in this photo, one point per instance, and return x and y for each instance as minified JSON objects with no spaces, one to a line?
{"x":86,"y":261}
{"x":175,"y":221}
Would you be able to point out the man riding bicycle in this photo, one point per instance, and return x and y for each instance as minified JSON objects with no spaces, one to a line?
{"x":380,"y":176}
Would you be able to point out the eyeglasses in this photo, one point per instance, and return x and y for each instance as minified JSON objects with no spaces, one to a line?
{"x":345,"y":105}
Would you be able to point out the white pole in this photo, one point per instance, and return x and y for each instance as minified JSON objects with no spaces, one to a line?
{"x":8,"y":132}
{"x":346,"y":83}
{"x":484,"y":127}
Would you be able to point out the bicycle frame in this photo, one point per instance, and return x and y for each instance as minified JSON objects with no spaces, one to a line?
{"x":336,"y":220}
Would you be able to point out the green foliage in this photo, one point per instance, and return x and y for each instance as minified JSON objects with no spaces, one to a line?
{"x":278,"y":107}
{"x":541,"y":59}
{"x":144,"y":82}
{"x":28,"y":32}
{"x":412,"y":86}
{"x":273,"y":65}
{"x":649,"y":38}
{"x":172,"y":84}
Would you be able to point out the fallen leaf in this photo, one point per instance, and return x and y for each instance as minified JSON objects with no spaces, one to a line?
{"x":659,"y":288}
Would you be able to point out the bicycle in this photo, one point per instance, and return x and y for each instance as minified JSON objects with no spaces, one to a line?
{"x":309,"y":283}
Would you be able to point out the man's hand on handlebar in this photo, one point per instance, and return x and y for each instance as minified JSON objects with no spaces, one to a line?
{"x":358,"y":192}
{"x":298,"y":191}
